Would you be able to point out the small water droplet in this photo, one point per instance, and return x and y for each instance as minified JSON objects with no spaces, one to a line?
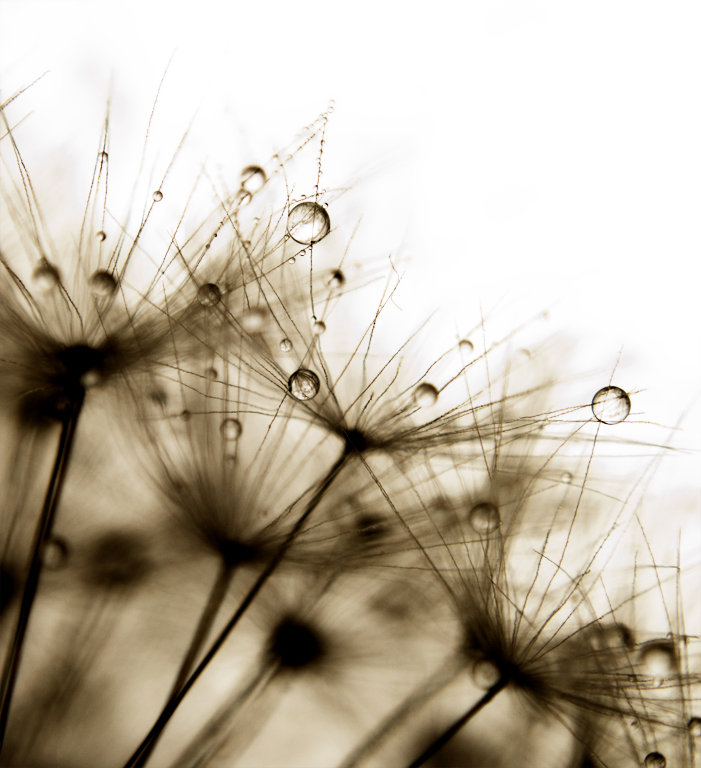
{"x":246,"y":244}
{"x":484,"y":518}
{"x":523,"y":355}
{"x":658,"y":660}
{"x":157,"y":196}
{"x":694,"y":726}
{"x":337,"y":279}
{"x":466,"y":347}
{"x":54,"y":554}
{"x":308,"y":223}
{"x":230,"y":429}
{"x":303,"y":384}
{"x":252,"y":178}
{"x":243,"y":197}
{"x":100,"y":236}
{"x":211,"y":374}
{"x":285,"y":345}
{"x":425,"y":395}
{"x":291,"y":260}
{"x":566,"y":478}
{"x":253,"y":320}
{"x":46,"y":276}
{"x":319,"y":327}
{"x":185,"y":415}
{"x":655,"y":760}
{"x":485,"y":674}
{"x":209,"y":295}
{"x":611,"y":405}
{"x":103,"y":284}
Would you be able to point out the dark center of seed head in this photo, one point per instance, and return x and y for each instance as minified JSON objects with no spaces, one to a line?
{"x":295,"y":645}
{"x":356,"y":441}
{"x":236,"y":553}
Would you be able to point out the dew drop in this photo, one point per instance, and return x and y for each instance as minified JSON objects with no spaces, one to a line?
{"x":285,"y":345}
{"x":658,"y":660}
{"x":611,"y":405}
{"x":566,"y":478}
{"x":243,"y":197}
{"x":466,"y":347}
{"x":425,"y":395}
{"x":291,"y":260}
{"x":252,"y":178}
{"x":54,"y":554}
{"x":209,"y":295}
{"x":694,"y":726}
{"x":185,"y":415}
{"x":100,"y":236}
{"x":211,"y":373}
{"x":157,"y":196}
{"x":46,"y":276}
{"x":308,"y":223}
{"x":103,"y":284}
{"x":230,"y":429}
{"x":337,"y":279}
{"x":655,"y":760}
{"x":484,"y":518}
{"x":303,"y":384}
{"x":319,"y":327}
{"x":253,"y":320}
{"x":523,"y":355}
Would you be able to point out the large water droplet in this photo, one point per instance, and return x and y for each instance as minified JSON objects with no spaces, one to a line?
{"x":319,"y":327}
{"x":303,"y":384}
{"x":466,"y":347}
{"x":611,"y":405}
{"x":209,"y":295}
{"x":694,"y":726}
{"x":100,"y":236}
{"x":230,"y":429}
{"x":425,"y":395}
{"x":103,"y":284}
{"x":285,"y":345}
{"x":337,"y":279}
{"x":655,"y":760}
{"x":54,"y":554}
{"x":46,"y":277}
{"x":484,"y":518}
{"x":658,"y":660}
{"x":308,"y":223}
{"x":253,"y":320}
{"x":252,"y":178}
{"x":157,"y":196}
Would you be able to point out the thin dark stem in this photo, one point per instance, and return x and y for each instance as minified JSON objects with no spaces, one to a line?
{"x":42,"y":533}
{"x":135,"y":761}
{"x":448,"y":734}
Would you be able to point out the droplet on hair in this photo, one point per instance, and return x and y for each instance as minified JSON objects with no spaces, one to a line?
{"x":209,"y":295}
{"x":337,"y":279}
{"x":466,"y":347}
{"x":243,"y":197}
{"x":658,"y":660}
{"x":100,"y":236}
{"x":185,"y":415}
{"x":54,"y":554}
{"x":252,"y":178}
{"x":294,"y":645}
{"x":103,"y":284}
{"x":319,"y":327}
{"x":308,"y":223}
{"x":46,"y":277}
{"x":285,"y":345}
{"x":611,"y":405}
{"x":566,"y":478}
{"x":230,"y":429}
{"x":303,"y":384}
{"x":253,"y":320}
{"x":694,"y":726}
{"x":292,"y":260}
{"x":211,"y":373}
{"x":655,"y":760}
{"x":157,"y":196}
{"x":485,"y":674}
{"x":484,"y":518}
{"x":425,"y":395}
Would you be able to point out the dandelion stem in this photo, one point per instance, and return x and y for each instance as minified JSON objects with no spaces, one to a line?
{"x":138,"y":760}
{"x":448,"y":734}
{"x":42,"y":533}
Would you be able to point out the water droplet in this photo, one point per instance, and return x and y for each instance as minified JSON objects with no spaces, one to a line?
{"x":103,"y":284}
{"x":90,"y":378}
{"x":230,"y":429}
{"x":211,"y":374}
{"x":655,"y":760}
{"x":466,"y":347}
{"x":308,"y":223}
{"x":253,"y":320}
{"x":337,"y":279}
{"x":54,"y":554}
{"x":243,"y":197}
{"x":319,"y":327}
{"x":694,"y":726}
{"x":485,"y":674}
{"x":291,"y":260}
{"x":303,"y":384}
{"x":157,"y":196}
{"x":46,"y":276}
{"x":252,"y":178}
{"x":185,"y":415}
{"x":285,"y":345}
{"x":658,"y":660}
{"x":611,"y":405}
{"x":209,"y":295}
{"x":425,"y":395}
{"x":523,"y":355}
{"x":566,"y":478}
{"x":100,"y":236}
{"x":484,"y":518}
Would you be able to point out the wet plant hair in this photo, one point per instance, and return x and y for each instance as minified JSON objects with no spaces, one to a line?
{"x":238,"y":531}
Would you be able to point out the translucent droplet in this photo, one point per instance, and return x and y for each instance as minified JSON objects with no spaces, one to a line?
{"x":46,"y":276}
{"x":185,"y":415}
{"x":337,"y":279}
{"x":308,"y":223}
{"x":485,"y":674}
{"x":209,"y":295}
{"x":211,"y":373}
{"x":466,"y":347}
{"x":54,"y":554}
{"x":523,"y":355}
{"x":157,"y":196}
{"x":611,"y":405}
{"x":694,"y":726}
{"x":655,"y":760}
{"x":303,"y":384}
{"x":90,"y":378}
{"x":100,"y":236}
{"x":243,"y":197}
{"x":319,"y":327}
{"x":285,"y":345}
{"x":230,"y":429}
{"x":566,"y":478}
{"x":425,"y":395}
{"x":253,"y":320}
{"x":658,"y":660}
{"x":291,"y":260}
{"x":484,"y":518}
{"x":103,"y":284}
{"x":252,"y":178}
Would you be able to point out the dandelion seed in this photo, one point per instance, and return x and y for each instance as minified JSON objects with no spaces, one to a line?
{"x":308,"y":223}
{"x":611,"y":405}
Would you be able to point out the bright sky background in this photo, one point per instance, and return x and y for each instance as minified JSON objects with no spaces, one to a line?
{"x":547,"y":152}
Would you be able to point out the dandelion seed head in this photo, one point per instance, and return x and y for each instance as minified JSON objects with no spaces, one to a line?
{"x":295,"y":645}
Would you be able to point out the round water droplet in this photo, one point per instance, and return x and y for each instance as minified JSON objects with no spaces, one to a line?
{"x":694,"y":726}
{"x":425,"y":395}
{"x":243,"y":197}
{"x":209,"y":295}
{"x":319,"y":327}
{"x":46,"y":276}
{"x":658,"y":660}
{"x":54,"y":554}
{"x":523,"y":355}
{"x":484,"y":518}
{"x":611,"y":405}
{"x":485,"y":674}
{"x":337,"y":279}
{"x":230,"y":429}
{"x":566,"y":478}
{"x":253,"y":320}
{"x":252,"y":178}
{"x":655,"y":760}
{"x":157,"y":196}
{"x":285,"y":345}
{"x":466,"y":347}
{"x":211,"y":373}
{"x":185,"y":415}
{"x":291,"y":260}
{"x":308,"y":223}
{"x":103,"y":284}
{"x":303,"y":384}
{"x":100,"y":236}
